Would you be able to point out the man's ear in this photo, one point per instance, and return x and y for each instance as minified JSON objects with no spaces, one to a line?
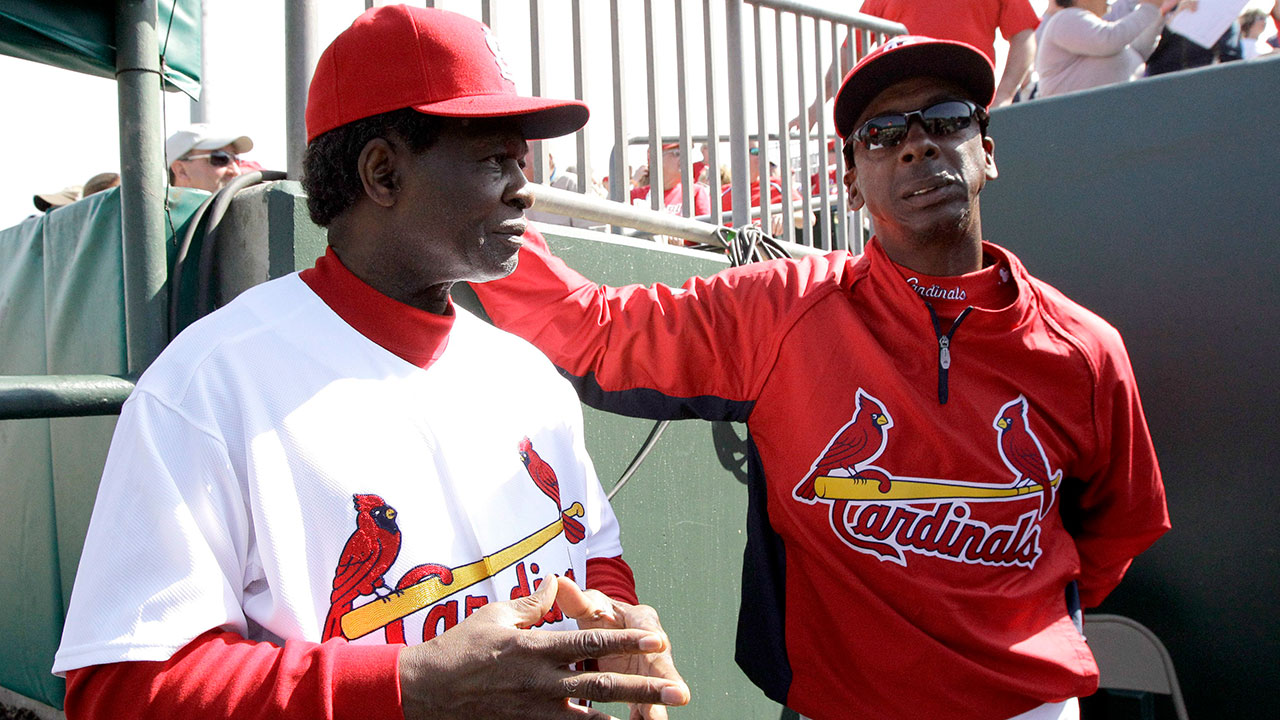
{"x":378,"y":171}
{"x":851,"y":186}
{"x":989,"y":149}
{"x":179,"y":174}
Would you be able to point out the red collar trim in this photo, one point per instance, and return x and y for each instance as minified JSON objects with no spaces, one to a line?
{"x":415,"y":336}
{"x":990,"y":288}
{"x":1003,"y":298}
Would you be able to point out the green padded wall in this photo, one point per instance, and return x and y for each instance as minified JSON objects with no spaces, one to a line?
{"x":61,"y":312}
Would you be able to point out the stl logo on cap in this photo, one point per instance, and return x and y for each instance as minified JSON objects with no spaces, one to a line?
{"x":492,"y":41}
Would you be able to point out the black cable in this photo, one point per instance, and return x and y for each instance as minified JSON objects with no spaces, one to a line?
{"x":218,"y":208}
{"x":180,"y":260}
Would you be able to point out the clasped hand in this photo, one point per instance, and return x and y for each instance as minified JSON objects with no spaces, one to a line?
{"x":492,"y":666}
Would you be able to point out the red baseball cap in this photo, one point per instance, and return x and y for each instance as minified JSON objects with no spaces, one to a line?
{"x":434,"y":61}
{"x":907,"y":56}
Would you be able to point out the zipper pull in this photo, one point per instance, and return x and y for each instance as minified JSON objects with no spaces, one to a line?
{"x":944,"y":352}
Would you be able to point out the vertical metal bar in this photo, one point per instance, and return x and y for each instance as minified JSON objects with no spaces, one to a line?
{"x":762,"y":136}
{"x":687,"y":188}
{"x":713,"y":140}
{"x":486,"y":11}
{"x":841,"y":210}
{"x":805,"y":204}
{"x":737,"y":112}
{"x":619,"y":176}
{"x":138,"y":88}
{"x":300,"y":25}
{"x":202,"y":108}
{"x":583,"y":161}
{"x":820,"y":99}
{"x":657,"y":188}
{"x":541,"y":169}
{"x":784,"y":143}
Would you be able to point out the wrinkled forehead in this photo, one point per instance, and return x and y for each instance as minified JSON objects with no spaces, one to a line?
{"x":912,"y":94}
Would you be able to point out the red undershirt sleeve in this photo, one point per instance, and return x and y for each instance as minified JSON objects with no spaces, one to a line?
{"x":222,"y":675}
{"x":613,"y":577}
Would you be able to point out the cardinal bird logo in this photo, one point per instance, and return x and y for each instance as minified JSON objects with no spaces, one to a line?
{"x":859,"y":442}
{"x":544,"y":476}
{"x":367,"y":556}
{"x":1022,"y":453}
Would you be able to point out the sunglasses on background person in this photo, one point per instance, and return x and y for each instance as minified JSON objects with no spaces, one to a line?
{"x":217,"y":158}
{"x":944,"y":118}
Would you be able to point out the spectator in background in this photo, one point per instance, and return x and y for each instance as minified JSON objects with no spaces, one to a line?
{"x":673,"y":187}
{"x":1177,"y":52}
{"x":970,"y":21}
{"x":45,"y":202}
{"x":102,"y":181}
{"x":774,"y":197}
{"x":202,"y":157}
{"x":567,"y":181}
{"x":1252,"y":24}
{"x":1081,"y":50}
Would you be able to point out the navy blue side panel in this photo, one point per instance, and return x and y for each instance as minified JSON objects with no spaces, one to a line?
{"x":762,"y":641}
{"x":649,"y":403}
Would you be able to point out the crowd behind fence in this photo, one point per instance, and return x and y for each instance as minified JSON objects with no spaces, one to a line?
{"x":800,"y":39}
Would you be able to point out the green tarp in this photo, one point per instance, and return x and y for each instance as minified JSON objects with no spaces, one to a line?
{"x":80,"y":35}
{"x":61,"y":313}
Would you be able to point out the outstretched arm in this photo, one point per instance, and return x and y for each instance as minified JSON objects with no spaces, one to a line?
{"x":1017,"y":66}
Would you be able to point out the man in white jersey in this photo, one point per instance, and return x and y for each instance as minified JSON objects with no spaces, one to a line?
{"x":343,"y":496}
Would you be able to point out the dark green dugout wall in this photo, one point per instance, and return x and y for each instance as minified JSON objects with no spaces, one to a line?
{"x":1157,"y":205}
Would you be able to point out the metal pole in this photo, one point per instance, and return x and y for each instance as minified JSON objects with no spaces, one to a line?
{"x":541,"y":169}
{"x":142,"y":199}
{"x":201,"y":108}
{"x":682,"y":96}
{"x":583,"y":164}
{"x":23,"y":397}
{"x":737,"y":113}
{"x":713,"y":142}
{"x":805,"y":205}
{"x":619,"y":177}
{"x":657,"y":187}
{"x":784,"y":143}
{"x":841,"y":209}
{"x":300,"y":26}
{"x":762,"y":138}
{"x":820,"y":99}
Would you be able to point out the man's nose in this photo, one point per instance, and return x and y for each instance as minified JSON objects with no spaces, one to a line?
{"x":518,"y":193}
{"x":919,"y":143}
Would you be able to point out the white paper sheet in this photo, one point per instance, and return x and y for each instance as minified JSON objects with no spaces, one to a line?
{"x":1210,"y":19}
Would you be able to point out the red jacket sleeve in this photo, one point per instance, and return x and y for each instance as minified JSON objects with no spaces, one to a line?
{"x":222,"y":675}
{"x":702,"y":350}
{"x":1121,"y":509}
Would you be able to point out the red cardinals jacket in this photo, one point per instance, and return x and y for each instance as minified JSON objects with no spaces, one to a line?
{"x":905,"y":557}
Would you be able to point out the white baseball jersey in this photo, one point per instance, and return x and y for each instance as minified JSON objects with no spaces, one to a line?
{"x":276,"y":470}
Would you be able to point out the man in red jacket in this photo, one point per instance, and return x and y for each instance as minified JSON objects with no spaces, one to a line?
{"x":947,"y":457}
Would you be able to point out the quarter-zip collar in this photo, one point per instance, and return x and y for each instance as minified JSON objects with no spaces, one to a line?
{"x":994,"y":299}
{"x":1011,"y":307}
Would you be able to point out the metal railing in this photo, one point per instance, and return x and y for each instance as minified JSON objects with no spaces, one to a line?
{"x":779,"y":59}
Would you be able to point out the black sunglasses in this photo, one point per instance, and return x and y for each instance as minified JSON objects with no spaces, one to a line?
{"x":944,"y":118}
{"x":217,"y":158}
